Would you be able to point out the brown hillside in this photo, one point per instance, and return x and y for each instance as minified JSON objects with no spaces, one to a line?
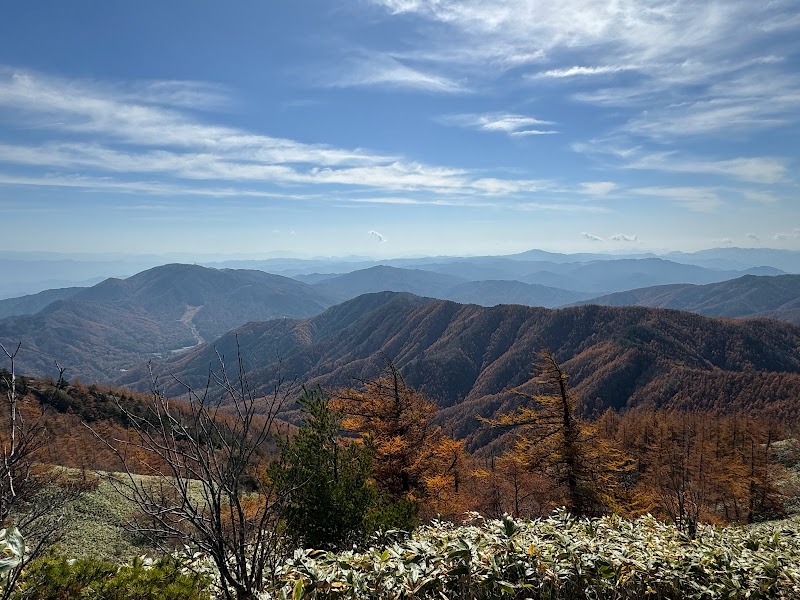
{"x":468,"y":358}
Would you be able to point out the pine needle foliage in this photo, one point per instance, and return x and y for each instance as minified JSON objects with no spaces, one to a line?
{"x":554,"y":441}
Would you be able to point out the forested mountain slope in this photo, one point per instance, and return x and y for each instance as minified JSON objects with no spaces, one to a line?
{"x":468,"y":358}
{"x":119,"y":323}
{"x":33,"y":303}
{"x":776,"y":297}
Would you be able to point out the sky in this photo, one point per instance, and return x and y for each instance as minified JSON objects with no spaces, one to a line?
{"x":398,"y":127}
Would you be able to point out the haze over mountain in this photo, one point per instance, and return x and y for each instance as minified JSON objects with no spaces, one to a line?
{"x":776,"y":297}
{"x":118,"y":324}
{"x":442,"y":286}
{"x":469,"y":358}
{"x":493,"y":292}
{"x":628,"y":273}
{"x":726,"y":259}
{"x":565,"y":281}
{"x":26,"y":273}
{"x":383,"y":278}
{"x":33,"y":303}
{"x":30,"y":273}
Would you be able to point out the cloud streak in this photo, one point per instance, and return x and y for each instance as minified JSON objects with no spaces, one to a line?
{"x":579,"y":71}
{"x":692,"y":198}
{"x":508,"y":123}
{"x":132,"y":135}
{"x":383,"y":70}
{"x":752,"y":169}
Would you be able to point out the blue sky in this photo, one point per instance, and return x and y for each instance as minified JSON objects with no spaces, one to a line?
{"x":398,"y":127}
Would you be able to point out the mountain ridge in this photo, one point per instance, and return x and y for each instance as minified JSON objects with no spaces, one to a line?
{"x":775,"y":297}
{"x":120,"y":323}
{"x":469,"y":358}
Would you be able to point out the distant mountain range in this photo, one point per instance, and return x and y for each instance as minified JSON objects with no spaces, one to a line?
{"x":578,"y":279}
{"x":468,"y":358}
{"x":28,"y":305}
{"x":97,"y":332}
{"x":505,"y":281}
{"x":441,"y":285}
{"x":502,"y":267}
{"x":749,"y":296}
{"x":32,"y":272}
{"x":725,"y":259}
{"x":118,"y":324}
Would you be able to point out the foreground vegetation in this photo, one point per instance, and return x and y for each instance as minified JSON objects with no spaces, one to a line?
{"x":219,"y":485}
{"x":560,"y":557}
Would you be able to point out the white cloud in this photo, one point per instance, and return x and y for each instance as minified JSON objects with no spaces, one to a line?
{"x":581,"y":71}
{"x":660,"y":31}
{"x":533,"y":27}
{"x":691,"y":68}
{"x":597,"y":188}
{"x":87,"y":108}
{"x":691,"y":198}
{"x":526,"y":132}
{"x":592,"y":238}
{"x":396,"y":176}
{"x":509,"y":123}
{"x":377,"y":236}
{"x":138,"y":138}
{"x":752,"y":236}
{"x":156,"y":188}
{"x":621,"y":237}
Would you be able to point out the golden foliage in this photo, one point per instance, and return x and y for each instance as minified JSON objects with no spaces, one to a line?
{"x":413,"y":457}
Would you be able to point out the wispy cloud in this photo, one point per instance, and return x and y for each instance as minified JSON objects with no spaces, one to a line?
{"x":383,"y":70}
{"x":753,"y":169}
{"x":592,"y":238}
{"x":155,"y":188}
{"x":508,"y":123}
{"x":752,"y":236}
{"x":794,"y":234}
{"x":686,"y":68}
{"x":692,"y":198}
{"x":759,"y":196}
{"x":760,"y":169}
{"x":98,"y":129}
{"x":99,"y":111}
{"x":661,"y":32}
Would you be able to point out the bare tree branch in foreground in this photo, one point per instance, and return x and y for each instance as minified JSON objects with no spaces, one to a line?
{"x":33,"y":493}
{"x":208,"y":457}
